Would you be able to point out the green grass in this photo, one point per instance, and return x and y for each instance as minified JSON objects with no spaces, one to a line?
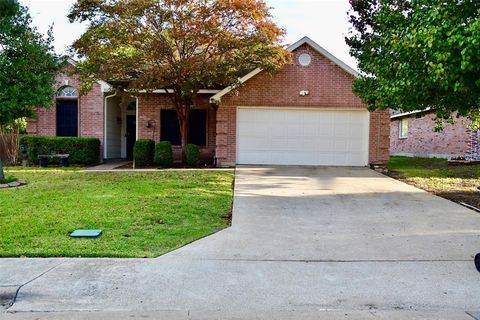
{"x":141,"y":214}
{"x":457,"y":183}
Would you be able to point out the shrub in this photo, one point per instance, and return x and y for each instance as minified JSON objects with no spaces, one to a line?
{"x":192,"y":154}
{"x":8,"y":179}
{"x":81,"y":150}
{"x":143,"y":152}
{"x":164,"y":154}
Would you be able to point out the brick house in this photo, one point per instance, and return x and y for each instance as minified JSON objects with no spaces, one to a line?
{"x":306,"y":114}
{"x":413,"y":134}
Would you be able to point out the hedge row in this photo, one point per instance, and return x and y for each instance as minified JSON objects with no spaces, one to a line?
{"x":147,"y":153}
{"x":81,"y":150}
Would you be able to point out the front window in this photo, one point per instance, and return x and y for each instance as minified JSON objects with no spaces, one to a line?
{"x":403,"y":128}
{"x":170,"y":129}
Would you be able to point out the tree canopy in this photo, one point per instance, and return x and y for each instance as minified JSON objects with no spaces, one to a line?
{"x":178,"y":45}
{"x":28,"y":65}
{"x":418,"y":54}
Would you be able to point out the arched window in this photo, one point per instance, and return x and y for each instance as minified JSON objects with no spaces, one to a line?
{"x":67,"y":92}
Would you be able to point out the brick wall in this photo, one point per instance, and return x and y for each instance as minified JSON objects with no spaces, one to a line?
{"x":422,"y":140}
{"x":91,"y":120}
{"x":90,"y":112}
{"x":379,"y":151}
{"x":329,"y":86}
{"x":149,"y":106}
{"x":226,"y":135}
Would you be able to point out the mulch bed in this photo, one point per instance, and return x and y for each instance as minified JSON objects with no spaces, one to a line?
{"x":471,"y":197}
{"x":463,"y":162}
{"x":174,"y":166}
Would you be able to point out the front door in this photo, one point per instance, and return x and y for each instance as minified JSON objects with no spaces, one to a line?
{"x":131,"y":135}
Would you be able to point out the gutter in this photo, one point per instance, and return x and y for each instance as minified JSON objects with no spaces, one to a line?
{"x":404,"y":114}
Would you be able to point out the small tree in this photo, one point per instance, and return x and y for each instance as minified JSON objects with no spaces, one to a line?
{"x":27,"y":66}
{"x":180,"y":46}
{"x":418,"y":54}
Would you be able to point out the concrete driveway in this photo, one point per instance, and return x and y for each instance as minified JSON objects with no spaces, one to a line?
{"x":306,"y":243}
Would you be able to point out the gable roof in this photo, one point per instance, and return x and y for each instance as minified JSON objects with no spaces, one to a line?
{"x":305,"y":40}
{"x":105,"y":87}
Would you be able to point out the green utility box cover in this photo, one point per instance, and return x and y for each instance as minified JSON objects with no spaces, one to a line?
{"x":85,"y":233}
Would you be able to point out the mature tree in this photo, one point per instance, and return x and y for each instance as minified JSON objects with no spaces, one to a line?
{"x":27,"y":66}
{"x":417,"y":54}
{"x":177,"y":45}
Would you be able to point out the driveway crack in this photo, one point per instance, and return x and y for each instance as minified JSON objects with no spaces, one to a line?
{"x":30,"y":281}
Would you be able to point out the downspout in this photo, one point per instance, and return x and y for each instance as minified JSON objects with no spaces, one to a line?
{"x":215,"y":107}
{"x":105,"y":125}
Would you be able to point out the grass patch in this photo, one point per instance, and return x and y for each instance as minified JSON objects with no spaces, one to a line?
{"x":141,"y":214}
{"x":457,"y":183}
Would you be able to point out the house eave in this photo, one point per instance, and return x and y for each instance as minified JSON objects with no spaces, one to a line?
{"x":405,"y":114}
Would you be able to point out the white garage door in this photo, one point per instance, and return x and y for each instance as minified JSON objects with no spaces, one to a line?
{"x":302,"y":136}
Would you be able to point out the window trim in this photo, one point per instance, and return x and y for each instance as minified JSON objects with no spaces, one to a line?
{"x":401,"y":133}
{"x":207,"y":123}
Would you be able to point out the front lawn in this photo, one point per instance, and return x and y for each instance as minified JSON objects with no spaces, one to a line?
{"x":141,"y":214}
{"x":457,"y":183}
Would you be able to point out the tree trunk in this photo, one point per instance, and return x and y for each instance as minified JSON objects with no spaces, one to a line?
{"x":2,"y":174}
{"x":183,"y":117}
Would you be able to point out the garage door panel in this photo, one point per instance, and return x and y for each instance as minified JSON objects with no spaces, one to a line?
{"x":294,"y":131}
{"x":253,"y":130}
{"x":326,"y":132}
{"x":342,"y":131}
{"x":310,"y":130}
{"x":302,"y":136}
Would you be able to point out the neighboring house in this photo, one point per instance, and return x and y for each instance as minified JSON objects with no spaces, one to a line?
{"x":413,"y":134}
{"x":306,"y":114}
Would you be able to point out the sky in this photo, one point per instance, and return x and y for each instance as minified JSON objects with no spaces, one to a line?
{"x":324,"y":21}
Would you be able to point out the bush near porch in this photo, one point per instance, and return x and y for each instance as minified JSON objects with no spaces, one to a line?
{"x":81,"y":150}
{"x":143,"y":152}
{"x":163,"y":154}
{"x":456,"y":183}
{"x":141,"y":214}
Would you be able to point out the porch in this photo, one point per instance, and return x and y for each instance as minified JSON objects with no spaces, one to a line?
{"x":153,"y":116}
